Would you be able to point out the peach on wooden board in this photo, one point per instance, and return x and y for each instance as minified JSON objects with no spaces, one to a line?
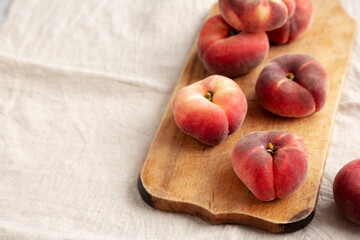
{"x":226,"y":51}
{"x":296,"y":26}
{"x":256,"y":15}
{"x":293,"y":85}
{"x":272,"y":164}
{"x":346,"y":190}
{"x":210,"y":109}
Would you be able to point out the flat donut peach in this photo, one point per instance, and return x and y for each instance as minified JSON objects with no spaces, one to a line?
{"x":293,"y":85}
{"x":210,"y":109}
{"x":256,"y":15}
{"x":296,"y":26}
{"x":346,"y":190}
{"x":272,"y":164}
{"x":226,"y":51}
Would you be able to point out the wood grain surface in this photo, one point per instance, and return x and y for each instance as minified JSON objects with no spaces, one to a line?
{"x":182,"y":175}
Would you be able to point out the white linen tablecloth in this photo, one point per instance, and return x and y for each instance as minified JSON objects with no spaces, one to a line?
{"x":83,"y":86}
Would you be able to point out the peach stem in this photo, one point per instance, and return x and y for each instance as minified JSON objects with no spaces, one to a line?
{"x":271,"y":148}
{"x":208,"y":95}
{"x":290,"y":76}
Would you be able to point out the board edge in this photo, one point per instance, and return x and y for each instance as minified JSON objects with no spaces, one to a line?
{"x":301,"y":219}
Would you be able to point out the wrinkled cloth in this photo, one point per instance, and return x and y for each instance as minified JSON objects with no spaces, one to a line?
{"x":83,"y":87}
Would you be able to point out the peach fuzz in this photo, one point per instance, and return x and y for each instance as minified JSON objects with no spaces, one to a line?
{"x":346,"y":190}
{"x":210,"y":109}
{"x":272,"y":164}
{"x":256,"y":15}
{"x":296,"y":26}
{"x":226,"y":51}
{"x":293,"y":85}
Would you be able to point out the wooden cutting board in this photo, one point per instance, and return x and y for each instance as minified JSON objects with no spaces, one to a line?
{"x":182,"y":175}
